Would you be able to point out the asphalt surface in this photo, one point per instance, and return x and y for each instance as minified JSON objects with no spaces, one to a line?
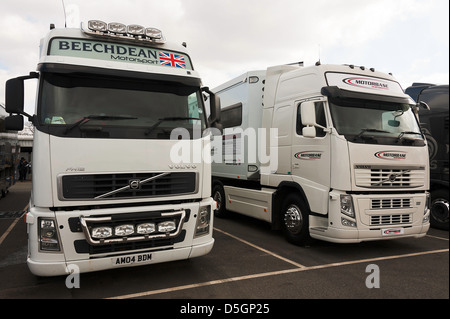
{"x":250,"y":271}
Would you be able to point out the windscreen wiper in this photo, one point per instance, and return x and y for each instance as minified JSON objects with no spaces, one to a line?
{"x":400,"y":136}
{"x":98,"y":117}
{"x":165,"y":119}
{"x":363,"y":131}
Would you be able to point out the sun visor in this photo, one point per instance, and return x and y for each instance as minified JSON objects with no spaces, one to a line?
{"x":336,"y":92}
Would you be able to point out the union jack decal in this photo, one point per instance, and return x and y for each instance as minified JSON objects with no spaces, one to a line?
{"x":170,"y":59}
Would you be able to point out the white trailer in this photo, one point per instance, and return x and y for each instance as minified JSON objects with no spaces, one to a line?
{"x":348,"y":162}
{"x":106,"y":192}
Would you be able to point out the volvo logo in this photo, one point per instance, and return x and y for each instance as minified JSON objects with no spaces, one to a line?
{"x":392,"y":177}
{"x":134,"y":184}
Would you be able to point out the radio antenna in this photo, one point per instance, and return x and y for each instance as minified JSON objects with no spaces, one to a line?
{"x":319,"y":52}
{"x":318,"y":62}
{"x":65,"y":17}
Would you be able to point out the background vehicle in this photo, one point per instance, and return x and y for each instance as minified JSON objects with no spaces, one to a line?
{"x":9,"y":150}
{"x":348,"y":163}
{"x":434,"y":124}
{"x":105,"y":191}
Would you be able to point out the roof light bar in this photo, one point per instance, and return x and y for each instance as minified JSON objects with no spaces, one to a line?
{"x":132,"y":31}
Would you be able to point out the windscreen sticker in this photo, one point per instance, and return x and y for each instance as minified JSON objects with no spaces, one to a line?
{"x":363,"y":83}
{"x":367,"y":83}
{"x":108,"y":51}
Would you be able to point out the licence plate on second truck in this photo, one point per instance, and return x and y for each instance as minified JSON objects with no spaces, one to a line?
{"x":392,"y":231}
{"x":131,"y":259}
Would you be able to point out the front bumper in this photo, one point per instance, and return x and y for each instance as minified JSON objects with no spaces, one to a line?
{"x":77,"y":251}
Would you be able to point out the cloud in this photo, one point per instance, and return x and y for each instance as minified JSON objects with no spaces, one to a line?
{"x":229,"y":37}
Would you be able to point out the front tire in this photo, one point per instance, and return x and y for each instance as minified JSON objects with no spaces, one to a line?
{"x":295,"y":220}
{"x":439,"y":209}
{"x":218,"y":194}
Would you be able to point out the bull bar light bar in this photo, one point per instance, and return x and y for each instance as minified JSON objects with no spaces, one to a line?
{"x":116,"y":29}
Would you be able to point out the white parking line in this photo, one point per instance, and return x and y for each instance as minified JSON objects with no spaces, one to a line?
{"x":272,"y":273}
{"x":436,"y":237}
{"x":6,"y":233}
{"x":10,"y":228}
{"x":298,"y":268}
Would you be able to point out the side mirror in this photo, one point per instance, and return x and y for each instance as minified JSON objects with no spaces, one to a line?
{"x":14,"y":123}
{"x":308,"y":113}
{"x":214,"y":105}
{"x":423,"y":105}
{"x":309,"y":131}
{"x":14,"y":96}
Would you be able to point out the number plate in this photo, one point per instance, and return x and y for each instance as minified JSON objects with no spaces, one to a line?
{"x":392,"y":231}
{"x":131,"y":259}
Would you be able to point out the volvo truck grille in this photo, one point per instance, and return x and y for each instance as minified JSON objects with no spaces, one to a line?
{"x":114,"y":186}
{"x":389,"y":178}
{"x":390,"y":203}
{"x":376,"y":220}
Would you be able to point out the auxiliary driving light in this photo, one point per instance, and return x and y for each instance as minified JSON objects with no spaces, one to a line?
{"x":118,"y":28}
{"x":146,"y":228}
{"x":135,"y":29}
{"x":153,"y":33}
{"x":135,"y":32}
{"x":166,"y":227}
{"x":101,"y":232}
{"x":97,"y":25}
{"x":124,"y":230}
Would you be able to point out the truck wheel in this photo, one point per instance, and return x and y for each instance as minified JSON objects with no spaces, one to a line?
{"x":218,"y":195}
{"x":295,"y":223}
{"x":439,"y":209}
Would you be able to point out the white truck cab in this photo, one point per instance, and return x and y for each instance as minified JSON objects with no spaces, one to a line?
{"x":348,"y":162}
{"x":105,"y":190}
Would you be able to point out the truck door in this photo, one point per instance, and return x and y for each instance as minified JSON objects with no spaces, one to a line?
{"x":311,"y":159}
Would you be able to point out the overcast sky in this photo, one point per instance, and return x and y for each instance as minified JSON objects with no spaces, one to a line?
{"x":226,"y":38}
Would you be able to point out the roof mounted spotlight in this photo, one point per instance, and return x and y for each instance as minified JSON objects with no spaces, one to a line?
{"x":117,"y":28}
{"x":97,"y":26}
{"x":136,"y":30}
{"x":372,"y":69}
{"x":153,"y":33}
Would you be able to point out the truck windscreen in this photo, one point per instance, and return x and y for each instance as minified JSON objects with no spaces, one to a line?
{"x":92,"y":106}
{"x":375,"y":122}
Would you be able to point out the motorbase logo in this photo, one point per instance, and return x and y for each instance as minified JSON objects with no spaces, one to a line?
{"x":309,"y":155}
{"x":391,"y":155}
{"x":367,"y":83}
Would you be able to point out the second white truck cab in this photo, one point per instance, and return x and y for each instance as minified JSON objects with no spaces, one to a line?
{"x":348,"y":162}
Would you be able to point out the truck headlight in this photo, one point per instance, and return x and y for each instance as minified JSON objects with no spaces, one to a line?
{"x":347,"y":205}
{"x":48,"y":234}
{"x":426,"y":217}
{"x":203,"y":221}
